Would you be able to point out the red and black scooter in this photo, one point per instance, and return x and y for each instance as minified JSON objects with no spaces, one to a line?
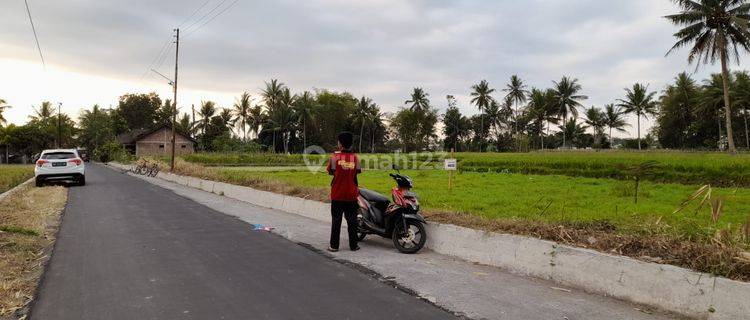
{"x":399,"y":220}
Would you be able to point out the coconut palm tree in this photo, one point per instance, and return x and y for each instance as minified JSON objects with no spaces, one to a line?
{"x":542,"y":109}
{"x":597,"y":121}
{"x":226,"y":118}
{"x":568,"y":99}
{"x":573,"y":130}
{"x":362,"y":115}
{"x":711,"y":100}
{"x":376,"y":119}
{"x":44,"y":112}
{"x":419,"y":101}
{"x":614,"y":119}
{"x":741,"y":92}
{"x":241,"y":113}
{"x":641,"y":102}
{"x":716,"y":30}
{"x":280,"y":117}
{"x":516,"y":91}
{"x":3,"y":106}
{"x":272,"y":93}
{"x":206,"y":112}
{"x":255,"y":119}
{"x":304,"y":110}
{"x":482,"y":98}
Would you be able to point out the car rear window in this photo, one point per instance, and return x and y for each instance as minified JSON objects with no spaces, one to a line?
{"x":58,"y":155}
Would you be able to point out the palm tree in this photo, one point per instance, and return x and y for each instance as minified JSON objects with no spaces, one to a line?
{"x":226,"y":118}
{"x":574,"y":130}
{"x":376,"y":118}
{"x":280,"y":117}
{"x":242,"y":113}
{"x":304,"y":109}
{"x":567,"y":98}
{"x":255,"y":119}
{"x":542,"y":109}
{"x":741,"y":90}
{"x":614,"y":119}
{"x":716,"y":30}
{"x":641,"y":102}
{"x":712,"y":99}
{"x":596,"y":120}
{"x":362,"y":115}
{"x":495,"y":119}
{"x":273,"y":91}
{"x":419,"y":101}
{"x":207,"y":111}
{"x":482,"y":98}
{"x":3,"y":106}
{"x":517,"y":93}
{"x":44,"y":112}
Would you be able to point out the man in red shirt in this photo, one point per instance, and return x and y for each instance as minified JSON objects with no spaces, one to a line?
{"x":344,"y":167}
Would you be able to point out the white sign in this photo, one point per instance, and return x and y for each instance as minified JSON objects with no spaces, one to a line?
{"x":451,"y":164}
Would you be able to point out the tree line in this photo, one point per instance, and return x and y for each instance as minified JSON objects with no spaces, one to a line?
{"x":687,"y":114}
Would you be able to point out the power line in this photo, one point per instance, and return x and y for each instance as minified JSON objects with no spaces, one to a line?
{"x":158,"y":56}
{"x":163,"y":58}
{"x":35,"y":36}
{"x":194,"y":12}
{"x":196,"y":22}
{"x":214,"y":17}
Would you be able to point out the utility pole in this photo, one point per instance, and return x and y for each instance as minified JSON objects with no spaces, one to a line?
{"x":59,"y":132}
{"x":174,"y":100}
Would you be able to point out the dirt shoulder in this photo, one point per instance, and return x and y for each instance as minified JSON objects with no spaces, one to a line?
{"x":29,"y":220}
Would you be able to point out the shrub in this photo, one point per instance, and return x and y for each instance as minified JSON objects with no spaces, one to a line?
{"x":112,"y":151}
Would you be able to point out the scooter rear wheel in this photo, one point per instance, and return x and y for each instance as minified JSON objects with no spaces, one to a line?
{"x":410,"y":240}
{"x":360,"y":235}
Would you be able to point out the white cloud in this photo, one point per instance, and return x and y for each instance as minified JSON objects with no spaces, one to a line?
{"x":97,"y":50}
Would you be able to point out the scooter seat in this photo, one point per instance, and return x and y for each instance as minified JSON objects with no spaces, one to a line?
{"x":374,"y":197}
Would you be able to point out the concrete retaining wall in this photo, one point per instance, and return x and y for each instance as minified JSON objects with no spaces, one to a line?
{"x":15,"y":189}
{"x":667,"y":287}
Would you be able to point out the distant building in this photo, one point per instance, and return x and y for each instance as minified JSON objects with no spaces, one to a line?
{"x":156,"y":142}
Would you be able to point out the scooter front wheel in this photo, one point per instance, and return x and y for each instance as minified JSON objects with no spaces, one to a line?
{"x":410,"y":240}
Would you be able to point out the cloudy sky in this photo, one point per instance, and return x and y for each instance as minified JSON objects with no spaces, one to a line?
{"x":98,"y":50}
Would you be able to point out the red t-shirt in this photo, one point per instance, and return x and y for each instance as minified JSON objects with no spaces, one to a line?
{"x":344,"y":166}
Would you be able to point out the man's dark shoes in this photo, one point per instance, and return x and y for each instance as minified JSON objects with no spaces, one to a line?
{"x":331,"y":249}
{"x":355,"y":248}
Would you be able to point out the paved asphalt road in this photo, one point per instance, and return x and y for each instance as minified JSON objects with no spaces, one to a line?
{"x":131,"y":250}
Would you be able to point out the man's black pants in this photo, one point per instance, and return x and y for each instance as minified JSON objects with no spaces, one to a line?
{"x":348,"y":209}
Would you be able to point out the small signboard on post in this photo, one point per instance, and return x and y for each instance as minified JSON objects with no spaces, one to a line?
{"x":451,"y":164}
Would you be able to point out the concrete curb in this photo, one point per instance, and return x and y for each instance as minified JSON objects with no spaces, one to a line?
{"x":679,"y":290}
{"x":15,"y":189}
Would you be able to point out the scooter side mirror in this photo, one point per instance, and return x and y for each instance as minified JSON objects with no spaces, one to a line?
{"x":396,"y":167}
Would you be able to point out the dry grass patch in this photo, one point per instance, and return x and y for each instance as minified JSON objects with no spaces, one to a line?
{"x":28,"y":224}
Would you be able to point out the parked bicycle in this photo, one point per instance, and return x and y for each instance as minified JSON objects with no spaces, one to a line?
{"x":145,"y":167}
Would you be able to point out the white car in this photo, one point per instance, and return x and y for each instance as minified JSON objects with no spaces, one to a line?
{"x":60,"y":165}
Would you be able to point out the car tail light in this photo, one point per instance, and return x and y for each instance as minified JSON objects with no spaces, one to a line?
{"x":76,"y":161}
{"x":40,"y":162}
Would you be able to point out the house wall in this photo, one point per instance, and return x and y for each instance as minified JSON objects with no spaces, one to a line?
{"x":158,"y":143}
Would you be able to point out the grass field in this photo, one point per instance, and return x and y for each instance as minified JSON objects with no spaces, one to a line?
{"x":13,"y":175}
{"x":541,"y":198}
{"x":718,"y":169}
